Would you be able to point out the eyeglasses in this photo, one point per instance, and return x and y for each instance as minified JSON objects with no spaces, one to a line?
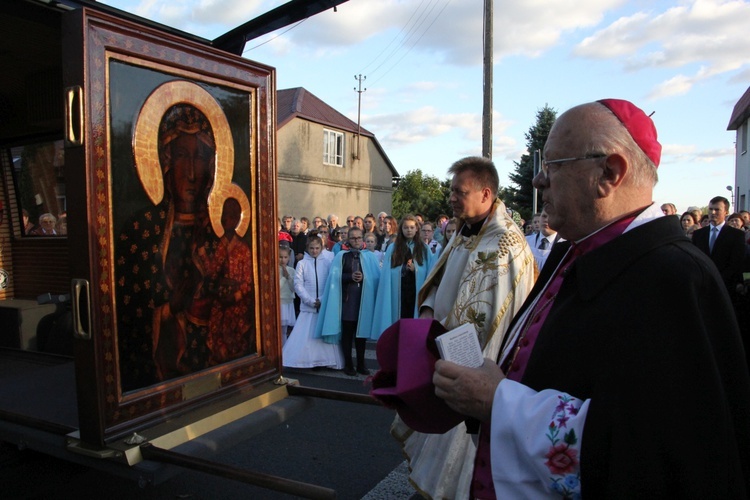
{"x":349,"y":220}
{"x":547,"y":163}
{"x":355,"y":238}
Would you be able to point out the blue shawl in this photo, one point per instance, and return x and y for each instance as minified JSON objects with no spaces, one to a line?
{"x":329,"y":321}
{"x":388,"y":303}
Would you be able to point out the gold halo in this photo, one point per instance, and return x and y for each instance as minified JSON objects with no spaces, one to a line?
{"x":146,"y":142}
{"x":236,"y":192}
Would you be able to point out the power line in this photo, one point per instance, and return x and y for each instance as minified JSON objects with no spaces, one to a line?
{"x":420,"y":20}
{"x":422,"y":12}
{"x":414,"y":44}
{"x":394,"y":38}
{"x":277,"y":36}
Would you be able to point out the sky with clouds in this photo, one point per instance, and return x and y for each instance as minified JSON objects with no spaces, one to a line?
{"x":688,"y":61}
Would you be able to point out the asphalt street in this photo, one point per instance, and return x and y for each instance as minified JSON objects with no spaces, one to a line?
{"x":340,"y":445}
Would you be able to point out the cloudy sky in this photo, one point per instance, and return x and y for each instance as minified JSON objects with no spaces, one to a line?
{"x":688,"y":61}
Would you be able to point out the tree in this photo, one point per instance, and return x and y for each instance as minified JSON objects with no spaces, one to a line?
{"x":522,"y":195}
{"x":420,"y":193}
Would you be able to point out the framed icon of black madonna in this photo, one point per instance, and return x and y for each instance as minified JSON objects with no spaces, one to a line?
{"x":171,"y":143}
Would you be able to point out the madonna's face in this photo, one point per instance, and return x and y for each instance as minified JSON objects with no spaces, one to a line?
{"x":192,"y":163}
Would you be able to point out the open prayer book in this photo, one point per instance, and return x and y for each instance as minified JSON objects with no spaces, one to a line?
{"x":461,"y":346}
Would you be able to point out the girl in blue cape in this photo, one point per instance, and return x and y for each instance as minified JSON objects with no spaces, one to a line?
{"x":406,"y":264}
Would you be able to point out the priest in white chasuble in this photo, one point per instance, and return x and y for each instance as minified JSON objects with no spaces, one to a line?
{"x":482,"y":277}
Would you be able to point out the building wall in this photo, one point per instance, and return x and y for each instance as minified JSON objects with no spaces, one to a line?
{"x":742,"y":169}
{"x":309,"y":188}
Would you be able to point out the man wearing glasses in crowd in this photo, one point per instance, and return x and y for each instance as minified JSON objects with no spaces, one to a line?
{"x":349,"y":301}
{"x":46,"y":226}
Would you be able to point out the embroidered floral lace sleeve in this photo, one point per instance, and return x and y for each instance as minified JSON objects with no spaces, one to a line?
{"x":536,"y":442}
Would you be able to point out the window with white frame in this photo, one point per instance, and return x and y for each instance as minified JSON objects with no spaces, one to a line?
{"x":333,"y":148}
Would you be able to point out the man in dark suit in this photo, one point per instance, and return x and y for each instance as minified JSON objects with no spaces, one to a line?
{"x":724,"y":244}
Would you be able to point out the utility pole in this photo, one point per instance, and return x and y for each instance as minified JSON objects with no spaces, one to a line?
{"x":537,"y":167}
{"x":487,"y":107}
{"x":359,"y":91}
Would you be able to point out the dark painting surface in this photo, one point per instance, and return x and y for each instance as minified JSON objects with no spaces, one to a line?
{"x":181,"y":182}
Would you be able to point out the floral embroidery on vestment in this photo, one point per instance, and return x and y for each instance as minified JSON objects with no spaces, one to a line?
{"x":563,"y":456}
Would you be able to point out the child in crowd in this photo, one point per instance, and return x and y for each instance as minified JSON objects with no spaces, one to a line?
{"x":324,"y":238}
{"x":406,"y":264}
{"x":440,"y":223}
{"x":342,"y":243}
{"x":286,"y":287}
{"x":302,"y":350}
{"x":371,"y":244}
{"x":391,"y":231}
{"x":335,"y":238}
{"x":450,"y":228}
{"x":427,"y":234}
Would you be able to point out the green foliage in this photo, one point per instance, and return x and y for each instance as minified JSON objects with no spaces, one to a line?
{"x":520,"y":196}
{"x":420,"y":193}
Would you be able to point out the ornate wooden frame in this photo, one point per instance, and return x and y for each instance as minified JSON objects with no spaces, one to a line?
{"x":162,"y":67}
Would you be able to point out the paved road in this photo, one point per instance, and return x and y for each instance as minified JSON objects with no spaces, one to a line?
{"x":339,"y":445}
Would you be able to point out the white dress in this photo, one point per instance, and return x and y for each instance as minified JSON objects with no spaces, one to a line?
{"x":286,"y":287}
{"x":301,"y":349}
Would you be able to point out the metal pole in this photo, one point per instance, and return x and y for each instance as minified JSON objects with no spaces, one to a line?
{"x":351,"y":397}
{"x":537,"y":166}
{"x":297,"y":488}
{"x":487,"y":106}
{"x":359,"y":91}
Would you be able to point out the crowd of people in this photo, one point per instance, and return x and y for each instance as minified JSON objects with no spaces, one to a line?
{"x":350,"y":282}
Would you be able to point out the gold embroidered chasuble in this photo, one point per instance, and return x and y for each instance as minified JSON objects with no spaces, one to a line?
{"x":481,"y":279}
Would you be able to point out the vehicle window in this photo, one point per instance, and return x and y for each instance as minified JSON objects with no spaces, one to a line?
{"x":39,"y":176}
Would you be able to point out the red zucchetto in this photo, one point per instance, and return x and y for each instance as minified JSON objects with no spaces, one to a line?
{"x":638,"y":124}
